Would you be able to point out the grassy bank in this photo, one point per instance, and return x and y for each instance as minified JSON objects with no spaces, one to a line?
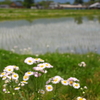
{"x":65,"y":65}
{"x":9,"y":14}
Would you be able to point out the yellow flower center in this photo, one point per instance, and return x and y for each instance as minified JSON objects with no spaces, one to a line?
{"x":25,"y":77}
{"x":71,"y":82}
{"x":42,"y":66}
{"x":41,"y":60}
{"x":56,"y":79}
{"x":36,"y":58}
{"x":64,"y":82}
{"x":4,"y":76}
{"x":47,"y":64}
{"x":76,"y":84}
{"x":15,"y":75}
{"x":29,"y":61}
{"x":9,"y":69}
{"x":49,"y":87}
{"x":2,"y":73}
{"x":80,"y":99}
{"x":29,"y":72}
{"x":23,"y":81}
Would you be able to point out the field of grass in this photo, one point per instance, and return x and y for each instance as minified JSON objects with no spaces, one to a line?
{"x":65,"y":65}
{"x":9,"y":14}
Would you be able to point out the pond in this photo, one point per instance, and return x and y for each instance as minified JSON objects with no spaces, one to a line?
{"x":77,"y":35}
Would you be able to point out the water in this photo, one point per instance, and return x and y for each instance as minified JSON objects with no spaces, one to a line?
{"x":77,"y":35}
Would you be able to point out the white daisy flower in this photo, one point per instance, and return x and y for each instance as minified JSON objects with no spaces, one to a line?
{"x":64,"y":82}
{"x":25,"y":82}
{"x":16,"y":67}
{"x":70,"y":82}
{"x":25,"y":77}
{"x":40,"y":69}
{"x":38,"y":60}
{"x":47,"y":65}
{"x":16,"y":88}
{"x":22,"y":83}
{"x":80,"y":98}
{"x":2,"y":74}
{"x":37,"y":68}
{"x":36,"y":74}
{"x":76,"y":85}
{"x":29,"y":73}
{"x":10,"y":66}
{"x":73,"y":79}
{"x":56,"y":79}
{"x":29,"y":60}
{"x":49,"y":87}
{"x":4,"y":77}
{"x":41,"y":66}
{"x":8,"y":69}
{"x":15,"y":76}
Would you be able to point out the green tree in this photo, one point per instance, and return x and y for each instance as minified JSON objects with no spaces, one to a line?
{"x":78,"y":2}
{"x":6,"y":2}
{"x":45,"y":4}
{"x":67,"y":2}
{"x":91,"y":2}
{"x":28,"y":3}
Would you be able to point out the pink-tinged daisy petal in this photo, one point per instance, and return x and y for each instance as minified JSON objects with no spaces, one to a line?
{"x":49,"y":87}
{"x":29,"y":60}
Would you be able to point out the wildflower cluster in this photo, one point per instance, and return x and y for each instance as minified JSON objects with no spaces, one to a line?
{"x":12,"y":82}
{"x":9,"y":76}
{"x":72,"y":81}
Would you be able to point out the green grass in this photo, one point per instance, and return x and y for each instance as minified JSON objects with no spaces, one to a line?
{"x":65,"y":65}
{"x":10,"y":14}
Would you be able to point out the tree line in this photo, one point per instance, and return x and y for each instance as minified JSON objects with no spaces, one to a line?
{"x":45,"y":3}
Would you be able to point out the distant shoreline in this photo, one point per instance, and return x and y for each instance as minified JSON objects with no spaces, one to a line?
{"x":16,"y":14}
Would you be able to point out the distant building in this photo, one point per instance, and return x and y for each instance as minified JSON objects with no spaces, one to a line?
{"x":33,"y":7}
{"x":68,"y":6}
{"x":95,"y":6}
{"x":39,"y":6}
{"x":16,"y":4}
{"x":54,"y":5}
{"x":4,"y":6}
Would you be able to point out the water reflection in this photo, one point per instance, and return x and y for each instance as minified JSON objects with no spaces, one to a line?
{"x":78,"y":20}
{"x":99,"y":19}
{"x":80,"y":34}
{"x":91,"y":18}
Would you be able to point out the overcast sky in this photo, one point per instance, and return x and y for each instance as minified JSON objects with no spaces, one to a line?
{"x":61,"y":1}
